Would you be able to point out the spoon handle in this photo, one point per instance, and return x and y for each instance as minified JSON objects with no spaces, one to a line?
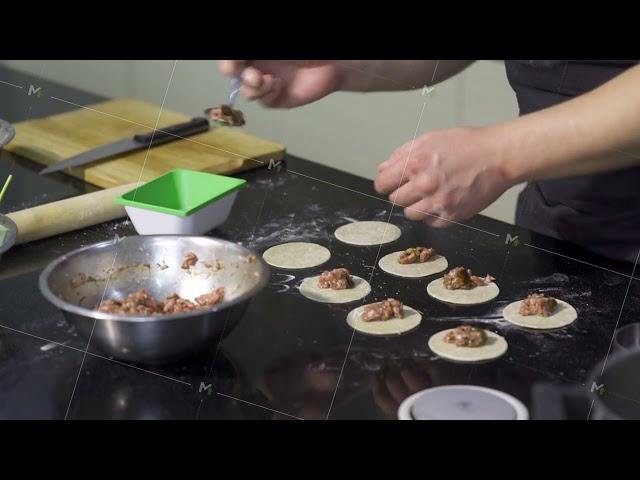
{"x":235,"y":88}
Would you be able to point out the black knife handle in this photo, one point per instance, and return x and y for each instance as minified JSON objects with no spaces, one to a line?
{"x":173,"y":132}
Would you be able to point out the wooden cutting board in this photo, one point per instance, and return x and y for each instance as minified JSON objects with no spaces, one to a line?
{"x":222,"y":150}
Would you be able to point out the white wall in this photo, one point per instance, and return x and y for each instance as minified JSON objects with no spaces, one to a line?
{"x":349,"y":131}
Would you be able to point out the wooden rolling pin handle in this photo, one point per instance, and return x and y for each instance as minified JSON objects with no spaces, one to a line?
{"x":69,"y":214}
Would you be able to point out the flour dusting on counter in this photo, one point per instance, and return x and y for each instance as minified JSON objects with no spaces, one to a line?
{"x":315,"y":222}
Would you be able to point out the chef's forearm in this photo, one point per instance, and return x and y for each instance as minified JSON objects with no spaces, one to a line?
{"x":598,"y":131}
{"x":393,"y":75}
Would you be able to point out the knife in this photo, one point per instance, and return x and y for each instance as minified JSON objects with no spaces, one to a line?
{"x":138,"y":142}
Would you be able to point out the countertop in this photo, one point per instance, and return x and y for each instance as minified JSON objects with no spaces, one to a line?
{"x":284,"y":359}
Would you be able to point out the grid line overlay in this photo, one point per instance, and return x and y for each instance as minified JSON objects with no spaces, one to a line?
{"x":630,"y":277}
{"x":375,"y":263}
{"x":624,"y":300}
{"x":49,"y":341}
{"x":116,"y":241}
{"x":260,"y":406}
{"x":294,"y":172}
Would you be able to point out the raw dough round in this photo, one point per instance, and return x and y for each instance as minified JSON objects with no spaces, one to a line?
{"x":367,"y":233}
{"x":473,"y":296}
{"x":561,"y":317}
{"x":389,"y":263}
{"x":394,"y":326}
{"x":296,"y":255}
{"x":493,"y":348}
{"x":310,"y":289}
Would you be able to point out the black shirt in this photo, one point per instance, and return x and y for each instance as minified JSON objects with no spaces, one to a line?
{"x":598,"y":211}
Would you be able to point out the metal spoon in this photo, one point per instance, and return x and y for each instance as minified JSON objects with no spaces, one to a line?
{"x":235,"y":88}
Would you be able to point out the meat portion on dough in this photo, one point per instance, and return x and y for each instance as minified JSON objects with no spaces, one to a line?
{"x":538,"y":304}
{"x":385,"y":310}
{"x":466,"y":336}
{"x":416,"y":255}
{"x":457,"y":278}
{"x":463,"y":278}
{"x":336,"y":279}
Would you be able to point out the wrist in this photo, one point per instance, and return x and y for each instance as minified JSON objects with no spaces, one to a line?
{"x":343,"y":75}
{"x":539,"y":145}
{"x":352,"y":76}
{"x":500,"y":155}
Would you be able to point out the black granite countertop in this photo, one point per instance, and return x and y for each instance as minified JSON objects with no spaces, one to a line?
{"x":286,"y":355}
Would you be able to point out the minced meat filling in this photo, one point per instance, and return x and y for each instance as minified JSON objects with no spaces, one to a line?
{"x":336,"y":279}
{"x":136,"y":303}
{"x":466,"y":336}
{"x":190,"y":259}
{"x":538,"y":304}
{"x":463,"y":278}
{"x":142,"y":303}
{"x":416,"y":255}
{"x":385,"y":310}
{"x":226,"y":114}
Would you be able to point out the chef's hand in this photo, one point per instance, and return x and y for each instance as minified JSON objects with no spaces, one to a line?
{"x":284,"y":83}
{"x":445,"y":175}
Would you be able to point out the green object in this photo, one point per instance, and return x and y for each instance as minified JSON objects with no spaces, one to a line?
{"x":6,"y":185}
{"x":181,"y":192}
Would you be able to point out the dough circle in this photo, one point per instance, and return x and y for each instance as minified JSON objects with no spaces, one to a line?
{"x":493,"y":348}
{"x":389,"y":263}
{"x":296,"y":255}
{"x":394,"y":326}
{"x":367,"y":233}
{"x":310,"y":289}
{"x":563,"y":316}
{"x":473,"y":296}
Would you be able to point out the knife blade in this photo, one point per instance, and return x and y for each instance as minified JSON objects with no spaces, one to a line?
{"x":128,"y":145}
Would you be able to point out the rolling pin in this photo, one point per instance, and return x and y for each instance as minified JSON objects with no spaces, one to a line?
{"x":69,"y":214}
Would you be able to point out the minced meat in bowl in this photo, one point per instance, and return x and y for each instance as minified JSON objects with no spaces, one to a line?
{"x":225,"y":276}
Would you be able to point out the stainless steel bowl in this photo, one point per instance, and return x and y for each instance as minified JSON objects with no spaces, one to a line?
{"x":116,"y":268}
{"x":8,"y":233}
{"x":7,"y":132}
